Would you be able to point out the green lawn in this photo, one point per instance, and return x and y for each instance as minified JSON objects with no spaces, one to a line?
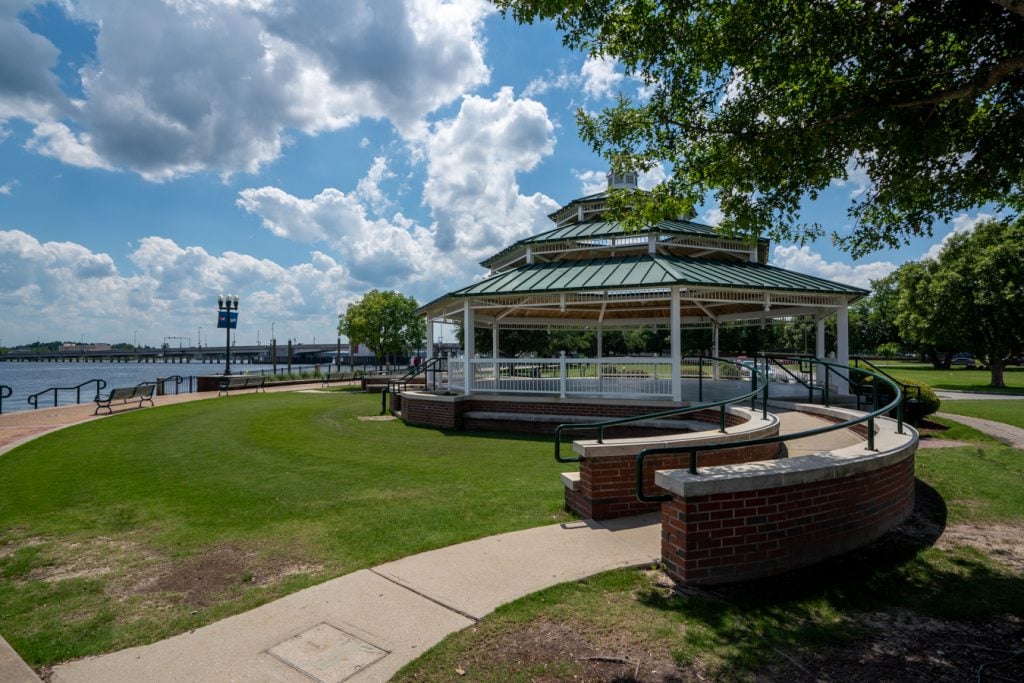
{"x":902,"y":589}
{"x":955,"y":379}
{"x":129,"y":529}
{"x":1008,"y":411}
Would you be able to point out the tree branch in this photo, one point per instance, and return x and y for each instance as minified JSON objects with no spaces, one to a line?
{"x":997,"y":75}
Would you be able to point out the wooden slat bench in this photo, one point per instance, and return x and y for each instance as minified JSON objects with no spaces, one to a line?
{"x":238,"y":382}
{"x":141,"y":393}
{"x":338,"y":377}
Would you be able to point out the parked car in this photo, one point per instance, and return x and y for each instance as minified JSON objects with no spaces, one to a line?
{"x":749,"y":364}
{"x":964,"y":359}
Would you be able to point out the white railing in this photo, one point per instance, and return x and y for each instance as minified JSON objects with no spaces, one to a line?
{"x":626,"y":377}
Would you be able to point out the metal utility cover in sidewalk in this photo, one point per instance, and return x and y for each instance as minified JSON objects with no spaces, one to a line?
{"x":327,"y":654}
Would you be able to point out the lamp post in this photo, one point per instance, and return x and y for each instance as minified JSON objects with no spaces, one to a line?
{"x":226,"y":305}
{"x":273,"y":347}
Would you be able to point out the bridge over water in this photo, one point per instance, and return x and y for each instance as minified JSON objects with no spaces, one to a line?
{"x":258,"y":353}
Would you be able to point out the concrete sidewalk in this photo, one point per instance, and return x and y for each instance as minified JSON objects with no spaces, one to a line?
{"x":366,"y":625}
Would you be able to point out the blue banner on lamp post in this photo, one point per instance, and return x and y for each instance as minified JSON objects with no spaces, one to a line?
{"x":228,"y":319}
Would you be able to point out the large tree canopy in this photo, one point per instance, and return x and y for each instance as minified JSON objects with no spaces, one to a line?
{"x":763,"y":103}
{"x":385,"y":322}
{"x":970,"y":299}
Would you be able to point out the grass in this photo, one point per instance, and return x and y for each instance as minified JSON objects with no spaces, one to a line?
{"x":266,"y":494}
{"x":757,"y":629}
{"x":957,"y":378}
{"x":1009,"y":411}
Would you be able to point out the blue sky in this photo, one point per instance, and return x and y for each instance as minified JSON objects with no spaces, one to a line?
{"x":297,"y":154}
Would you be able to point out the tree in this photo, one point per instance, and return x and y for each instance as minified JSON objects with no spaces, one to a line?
{"x":763,"y":103}
{"x":384,"y":322}
{"x":971,"y":298}
{"x":979,"y":281}
{"x":924,"y":322}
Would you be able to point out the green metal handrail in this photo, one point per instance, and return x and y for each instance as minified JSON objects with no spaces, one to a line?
{"x":397,"y":386}
{"x":694,"y":450}
{"x":5,"y":392}
{"x":672,"y":412}
{"x":33,"y":400}
{"x":903,"y":385}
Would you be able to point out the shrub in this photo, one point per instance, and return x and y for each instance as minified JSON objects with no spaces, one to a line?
{"x":930,"y":402}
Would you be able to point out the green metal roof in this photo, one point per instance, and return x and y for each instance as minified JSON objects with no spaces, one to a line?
{"x":649,"y":271}
{"x":602,"y":229}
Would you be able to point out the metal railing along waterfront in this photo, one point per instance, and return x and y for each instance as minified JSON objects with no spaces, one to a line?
{"x":759,"y":386}
{"x":5,"y":392}
{"x":896,"y":404}
{"x":33,"y":400}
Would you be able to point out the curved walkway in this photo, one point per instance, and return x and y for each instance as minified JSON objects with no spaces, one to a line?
{"x":1000,"y":431}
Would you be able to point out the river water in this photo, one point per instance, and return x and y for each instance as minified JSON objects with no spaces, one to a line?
{"x":26,"y":379}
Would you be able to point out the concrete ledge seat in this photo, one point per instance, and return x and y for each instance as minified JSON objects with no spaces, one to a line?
{"x":698,"y":432}
{"x":890,"y":448}
{"x":579,"y":419}
{"x":571,"y":480}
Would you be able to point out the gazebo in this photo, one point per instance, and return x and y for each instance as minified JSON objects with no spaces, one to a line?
{"x":589,"y":273}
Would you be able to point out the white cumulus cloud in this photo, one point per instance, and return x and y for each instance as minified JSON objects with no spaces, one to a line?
{"x":472,"y":164}
{"x":600,"y":79}
{"x":187,"y":86}
{"x":803,"y":260}
{"x":962,"y":223}
{"x":169,"y":291}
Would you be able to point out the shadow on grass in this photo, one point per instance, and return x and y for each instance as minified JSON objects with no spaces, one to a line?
{"x":819,"y":606}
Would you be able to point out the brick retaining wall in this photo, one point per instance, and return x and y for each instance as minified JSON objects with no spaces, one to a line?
{"x":733,"y":536}
{"x":607,"y":485}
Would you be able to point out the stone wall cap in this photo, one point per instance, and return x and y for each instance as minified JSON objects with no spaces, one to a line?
{"x":845,"y":462}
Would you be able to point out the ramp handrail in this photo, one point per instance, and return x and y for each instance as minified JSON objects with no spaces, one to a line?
{"x":435,"y":364}
{"x":695,"y":450}
{"x":5,"y":392}
{"x":672,"y":412}
{"x":33,"y":400}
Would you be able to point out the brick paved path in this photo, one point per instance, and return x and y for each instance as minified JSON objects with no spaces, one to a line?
{"x":1000,"y":431}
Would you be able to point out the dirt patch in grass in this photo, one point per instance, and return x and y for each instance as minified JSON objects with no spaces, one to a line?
{"x":84,"y":559}
{"x":549,"y":651}
{"x":906,"y":646}
{"x":1003,"y":542}
{"x":219,"y":573}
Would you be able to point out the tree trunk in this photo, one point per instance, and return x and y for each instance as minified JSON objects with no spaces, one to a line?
{"x":940,"y":361}
{"x":996,"y":368}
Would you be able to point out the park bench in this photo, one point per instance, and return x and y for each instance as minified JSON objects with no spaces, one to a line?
{"x":337,"y":377}
{"x":141,"y":393}
{"x":237,"y":382}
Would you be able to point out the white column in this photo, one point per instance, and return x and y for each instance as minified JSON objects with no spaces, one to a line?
{"x":677,"y":348}
{"x":430,"y":337}
{"x":494,"y":355}
{"x":843,"y":344}
{"x":563,"y":374}
{"x":468,"y":350}
{"x":714,"y":350}
{"x":819,"y":337}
